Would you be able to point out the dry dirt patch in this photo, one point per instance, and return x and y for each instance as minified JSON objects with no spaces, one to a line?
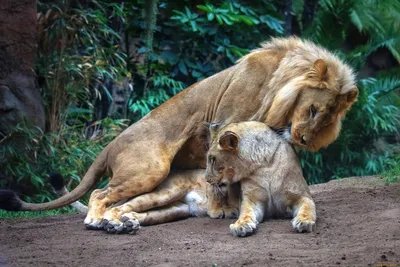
{"x":358,"y":225}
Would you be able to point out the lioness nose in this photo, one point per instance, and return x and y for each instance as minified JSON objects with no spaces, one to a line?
{"x":303,"y":140}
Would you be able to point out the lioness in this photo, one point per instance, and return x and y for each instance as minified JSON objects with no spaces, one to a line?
{"x":292,"y":85}
{"x":269,"y":173}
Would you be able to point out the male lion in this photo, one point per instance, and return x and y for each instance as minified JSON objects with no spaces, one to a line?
{"x":269,"y":173}
{"x":292,"y":85}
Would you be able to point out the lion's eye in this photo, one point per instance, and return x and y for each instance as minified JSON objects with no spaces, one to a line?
{"x":313,"y":111}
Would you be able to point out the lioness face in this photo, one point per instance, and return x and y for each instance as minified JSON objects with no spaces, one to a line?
{"x":222,"y":160}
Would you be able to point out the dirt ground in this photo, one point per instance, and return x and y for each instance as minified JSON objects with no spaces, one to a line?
{"x":358,"y":225}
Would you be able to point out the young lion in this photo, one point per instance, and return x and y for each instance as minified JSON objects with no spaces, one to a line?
{"x":269,"y":172}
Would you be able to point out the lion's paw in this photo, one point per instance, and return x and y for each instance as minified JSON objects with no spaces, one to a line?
{"x":113,"y":226}
{"x":131,"y":224}
{"x":243,"y":229}
{"x":303,"y":225}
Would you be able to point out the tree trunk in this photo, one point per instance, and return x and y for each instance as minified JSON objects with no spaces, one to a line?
{"x":19,"y":96}
{"x":308,"y":12}
{"x":288,"y":17}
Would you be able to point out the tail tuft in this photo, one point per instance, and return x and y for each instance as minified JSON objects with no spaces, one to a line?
{"x":57,"y":181}
{"x":9,"y":200}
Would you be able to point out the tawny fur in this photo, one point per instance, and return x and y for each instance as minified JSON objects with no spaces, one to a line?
{"x":276,"y":84}
{"x":269,"y":173}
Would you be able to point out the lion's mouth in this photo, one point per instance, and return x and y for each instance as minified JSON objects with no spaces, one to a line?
{"x":285,"y":133}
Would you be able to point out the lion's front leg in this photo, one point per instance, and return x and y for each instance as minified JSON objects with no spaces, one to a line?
{"x":254,"y":201}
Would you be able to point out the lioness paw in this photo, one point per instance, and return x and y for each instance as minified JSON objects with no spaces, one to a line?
{"x":303,"y":225}
{"x":231,"y":213}
{"x":225,"y":212}
{"x":243,"y":229}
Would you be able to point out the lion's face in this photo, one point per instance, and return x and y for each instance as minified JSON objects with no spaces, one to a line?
{"x":308,"y":111}
{"x":316,"y":119}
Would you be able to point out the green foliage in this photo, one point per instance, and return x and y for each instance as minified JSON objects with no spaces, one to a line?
{"x":78,"y":46}
{"x":32,"y":214}
{"x":68,"y":152}
{"x":392,"y":174}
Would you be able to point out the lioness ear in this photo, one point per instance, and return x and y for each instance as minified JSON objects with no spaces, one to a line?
{"x":318,"y":70}
{"x":229,"y":141}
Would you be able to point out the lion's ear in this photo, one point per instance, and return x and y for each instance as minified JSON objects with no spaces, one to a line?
{"x":346,"y":99}
{"x":213,"y":128}
{"x":351,"y":95}
{"x":229,"y":141}
{"x":318,"y":70}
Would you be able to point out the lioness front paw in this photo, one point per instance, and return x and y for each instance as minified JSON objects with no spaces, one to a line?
{"x":303,"y":225}
{"x":242,"y":229}
{"x":224,"y":212}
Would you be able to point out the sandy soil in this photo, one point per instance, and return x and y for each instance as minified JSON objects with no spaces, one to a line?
{"x":358,"y":225}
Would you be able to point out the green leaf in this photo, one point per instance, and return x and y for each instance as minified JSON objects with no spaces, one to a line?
{"x":182,"y":67}
{"x":204,"y":8}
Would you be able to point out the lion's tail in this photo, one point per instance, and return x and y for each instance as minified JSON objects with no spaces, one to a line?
{"x":9,"y":200}
{"x":58,"y":184}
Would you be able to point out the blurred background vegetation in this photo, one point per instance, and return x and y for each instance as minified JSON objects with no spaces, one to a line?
{"x":102,"y":65}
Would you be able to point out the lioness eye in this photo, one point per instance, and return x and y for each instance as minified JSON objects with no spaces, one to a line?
{"x":212,"y":160}
{"x":313,"y":111}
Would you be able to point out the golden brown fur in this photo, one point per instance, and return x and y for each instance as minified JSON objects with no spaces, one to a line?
{"x":278,"y":84}
{"x":269,"y":173}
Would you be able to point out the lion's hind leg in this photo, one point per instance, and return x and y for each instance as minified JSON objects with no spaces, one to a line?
{"x":304,"y":215}
{"x":128,"y":180}
{"x":133,"y":220}
{"x":174,"y":188}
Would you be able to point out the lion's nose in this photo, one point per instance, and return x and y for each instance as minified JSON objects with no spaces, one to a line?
{"x":303,"y":140}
